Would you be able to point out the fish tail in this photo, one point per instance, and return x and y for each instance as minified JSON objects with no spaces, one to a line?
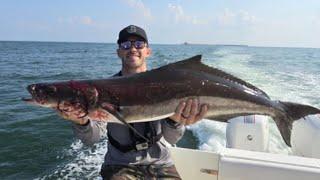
{"x":297,"y":111}
{"x":290,"y":113}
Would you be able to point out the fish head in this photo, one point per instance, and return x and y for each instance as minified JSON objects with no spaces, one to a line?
{"x":53,"y":94}
{"x":45,"y":95}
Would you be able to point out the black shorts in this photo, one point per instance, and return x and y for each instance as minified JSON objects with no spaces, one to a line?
{"x":130,"y":172}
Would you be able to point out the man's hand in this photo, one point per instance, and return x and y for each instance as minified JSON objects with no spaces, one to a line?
{"x":189,"y":112}
{"x":77,"y":114}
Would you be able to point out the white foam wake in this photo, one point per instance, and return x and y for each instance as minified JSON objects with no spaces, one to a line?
{"x":85,"y":164}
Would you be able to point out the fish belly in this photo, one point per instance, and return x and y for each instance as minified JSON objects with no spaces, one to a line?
{"x":218,"y":107}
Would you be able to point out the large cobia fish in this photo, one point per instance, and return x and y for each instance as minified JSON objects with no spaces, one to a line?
{"x":155,"y":94}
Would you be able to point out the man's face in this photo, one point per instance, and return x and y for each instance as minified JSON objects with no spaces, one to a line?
{"x":133,"y":57}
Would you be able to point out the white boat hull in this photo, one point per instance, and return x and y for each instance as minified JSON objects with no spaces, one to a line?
{"x":234,"y":164}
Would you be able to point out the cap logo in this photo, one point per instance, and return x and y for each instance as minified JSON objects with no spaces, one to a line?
{"x":132,"y":29}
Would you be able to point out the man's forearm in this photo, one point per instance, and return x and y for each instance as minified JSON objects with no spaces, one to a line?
{"x":91,"y":132}
{"x":172,"y":131}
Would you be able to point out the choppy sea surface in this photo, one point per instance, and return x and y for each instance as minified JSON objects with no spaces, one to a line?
{"x":35,"y":143}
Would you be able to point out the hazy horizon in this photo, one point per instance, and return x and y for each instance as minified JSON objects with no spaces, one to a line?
{"x":157,"y":44}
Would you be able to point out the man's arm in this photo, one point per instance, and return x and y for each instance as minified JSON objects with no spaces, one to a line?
{"x":89,"y":132}
{"x":172,"y":131}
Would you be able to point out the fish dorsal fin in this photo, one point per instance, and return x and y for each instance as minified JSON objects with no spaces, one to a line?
{"x":194,"y":63}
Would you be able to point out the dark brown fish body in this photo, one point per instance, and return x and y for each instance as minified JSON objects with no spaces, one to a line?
{"x":155,"y":94}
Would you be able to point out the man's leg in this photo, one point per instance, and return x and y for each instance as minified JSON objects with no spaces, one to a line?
{"x":164,"y":172}
{"x":117,"y":172}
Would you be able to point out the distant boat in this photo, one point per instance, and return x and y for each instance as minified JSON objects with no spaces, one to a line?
{"x":185,"y":43}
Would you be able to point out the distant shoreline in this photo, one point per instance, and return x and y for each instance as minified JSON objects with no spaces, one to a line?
{"x":191,"y":44}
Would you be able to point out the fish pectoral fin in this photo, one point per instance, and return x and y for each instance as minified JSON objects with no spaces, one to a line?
{"x":114,"y":110}
{"x":111,"y":108}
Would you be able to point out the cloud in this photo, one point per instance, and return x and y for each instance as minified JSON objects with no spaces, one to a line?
{"x":82,"y":20}
{"x":139,"y":5}
{"x":180,"y":16}
{"x":229,"y":18}
{"x":86,"y":20}
{"x":246,"y":17}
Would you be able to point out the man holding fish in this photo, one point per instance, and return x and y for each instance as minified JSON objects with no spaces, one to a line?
{"x":131,"y":155}
{"x":156,"y":103}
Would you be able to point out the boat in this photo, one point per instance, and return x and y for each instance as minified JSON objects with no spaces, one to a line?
{"x":246,"y":158}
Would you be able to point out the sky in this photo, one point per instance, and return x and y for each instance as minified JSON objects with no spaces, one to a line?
{"x":276,"y":23}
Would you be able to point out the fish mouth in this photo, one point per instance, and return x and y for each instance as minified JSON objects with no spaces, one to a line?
{"x":41,"y":103}
{"x":28,"y":99}
{"x":38,"y":102}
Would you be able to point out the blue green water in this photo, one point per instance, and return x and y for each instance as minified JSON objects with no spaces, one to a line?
{"x":35,"y":143}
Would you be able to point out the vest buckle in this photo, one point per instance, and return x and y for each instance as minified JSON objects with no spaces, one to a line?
{"x":142,"y":146}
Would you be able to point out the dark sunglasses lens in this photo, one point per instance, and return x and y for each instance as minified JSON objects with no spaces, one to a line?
{"x":125,"y":45}
{"x":139,"y":44}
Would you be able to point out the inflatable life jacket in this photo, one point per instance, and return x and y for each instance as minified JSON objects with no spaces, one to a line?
{"x":139,"y":141}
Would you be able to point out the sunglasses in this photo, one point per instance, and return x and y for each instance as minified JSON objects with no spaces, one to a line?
{"x":128,"y":44}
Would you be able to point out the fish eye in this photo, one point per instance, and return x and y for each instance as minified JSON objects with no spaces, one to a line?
{"x":50,"y":89}
{"x":53,"y":88}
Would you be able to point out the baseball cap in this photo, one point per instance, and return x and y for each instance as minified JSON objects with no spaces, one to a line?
{"x":132,"y":30}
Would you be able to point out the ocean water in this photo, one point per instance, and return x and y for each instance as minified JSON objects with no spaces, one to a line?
{"x":35,"y":143}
